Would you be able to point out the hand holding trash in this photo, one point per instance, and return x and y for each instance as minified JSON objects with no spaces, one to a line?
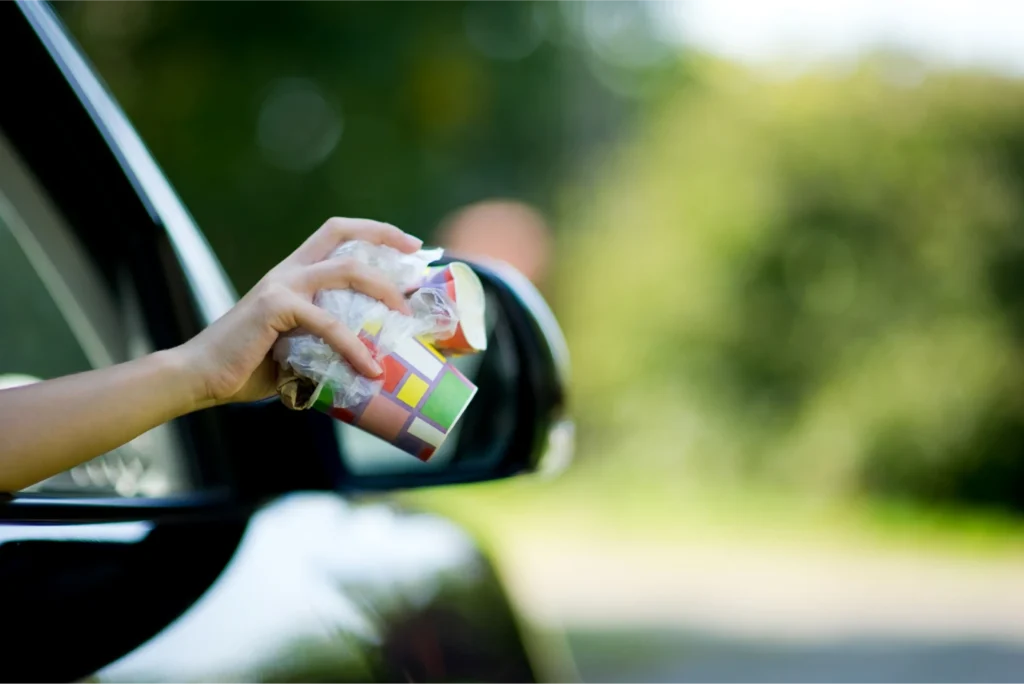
{"x":231,"y":356}
{"x":105,"y":408}
{"x":420,"y":395}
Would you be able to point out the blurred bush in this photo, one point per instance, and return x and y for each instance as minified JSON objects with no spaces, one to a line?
{"x":813,"y":281}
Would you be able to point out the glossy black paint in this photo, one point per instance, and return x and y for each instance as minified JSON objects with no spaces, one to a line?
{"x":72,"y":605}
{"x":40,"y":509}
{"x":241,"y":580}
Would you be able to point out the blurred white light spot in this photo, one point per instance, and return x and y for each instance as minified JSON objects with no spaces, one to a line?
{"x":121,"y":532}
{"x":560,"y":449}
{"x":976,"y":33}
{"x":11,"y":380}
{"x":506,"y":31}
{"x":625,"y":34}
{"x":297,"y":128}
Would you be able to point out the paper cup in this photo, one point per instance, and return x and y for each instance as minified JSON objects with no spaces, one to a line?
{"x":463,"y":287}
{"x":422,"y":399}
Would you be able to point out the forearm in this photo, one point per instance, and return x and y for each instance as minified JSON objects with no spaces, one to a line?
{"x":54,"y":425}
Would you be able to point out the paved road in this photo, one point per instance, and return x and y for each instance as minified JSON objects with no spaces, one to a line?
{"x":764,"y":592}
{"x":741,"y":613}
{"x":677,"y":656}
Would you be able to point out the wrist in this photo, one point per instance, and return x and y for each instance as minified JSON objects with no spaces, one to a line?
{"x":184,"y":379}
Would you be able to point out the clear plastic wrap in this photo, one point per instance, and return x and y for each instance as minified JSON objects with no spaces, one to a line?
{"x":434,"y":317}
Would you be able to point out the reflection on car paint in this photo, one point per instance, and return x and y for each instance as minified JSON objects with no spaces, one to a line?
{"x":291,"y":598}
{"x":121,"y":532}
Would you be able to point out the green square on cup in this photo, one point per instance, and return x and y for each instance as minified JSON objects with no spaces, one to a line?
{"x":446,"y":402}
{"x":324,"y":400}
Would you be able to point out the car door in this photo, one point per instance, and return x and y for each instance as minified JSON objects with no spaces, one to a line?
{"x":80,"y":595}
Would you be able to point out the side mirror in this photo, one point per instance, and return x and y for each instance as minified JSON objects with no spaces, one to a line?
{"x":517,"y":422}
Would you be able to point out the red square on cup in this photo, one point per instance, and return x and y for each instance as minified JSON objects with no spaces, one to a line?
{"x":394,"y":371}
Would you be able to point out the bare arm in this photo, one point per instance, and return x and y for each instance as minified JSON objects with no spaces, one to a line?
{"x":54,"y":425}
{"x":51,"y":426}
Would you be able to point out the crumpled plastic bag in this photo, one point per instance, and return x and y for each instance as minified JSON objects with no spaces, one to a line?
{"x":308,"y":364}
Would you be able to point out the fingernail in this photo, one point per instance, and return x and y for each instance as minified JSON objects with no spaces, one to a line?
{"x":415,"y":241}
{"x":375,"y":367}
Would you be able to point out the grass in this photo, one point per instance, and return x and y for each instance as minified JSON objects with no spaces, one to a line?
{"x":587,"y":508}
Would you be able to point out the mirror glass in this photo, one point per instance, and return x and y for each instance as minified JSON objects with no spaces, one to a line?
{"x":480,"y":438}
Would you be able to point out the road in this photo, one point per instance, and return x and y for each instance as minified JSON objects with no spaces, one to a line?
{"x":707,"y":612}
{"x":679,"y":656}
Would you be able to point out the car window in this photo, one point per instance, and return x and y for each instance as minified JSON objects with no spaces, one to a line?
{"x":60,"y":318}
{"x":35,"y":340}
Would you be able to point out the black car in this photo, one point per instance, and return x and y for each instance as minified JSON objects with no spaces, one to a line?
{"x":245,"y":542}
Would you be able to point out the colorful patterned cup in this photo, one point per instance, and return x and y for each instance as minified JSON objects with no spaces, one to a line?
{"x":463,"y":287}
{"x":422,"y":399}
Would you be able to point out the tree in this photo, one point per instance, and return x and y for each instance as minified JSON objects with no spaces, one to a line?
{"x":813,"y":281}
{"x":270,"y":117}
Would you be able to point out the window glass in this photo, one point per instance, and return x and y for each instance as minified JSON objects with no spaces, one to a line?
{"x":35,"y":340}
{"x":58,"y":318}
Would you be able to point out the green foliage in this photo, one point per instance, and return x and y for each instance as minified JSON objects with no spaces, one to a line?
{"x":270,"y":117}
{"x":813,"y":281}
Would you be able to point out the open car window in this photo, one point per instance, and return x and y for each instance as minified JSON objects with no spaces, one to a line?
{"x":59,"y":317}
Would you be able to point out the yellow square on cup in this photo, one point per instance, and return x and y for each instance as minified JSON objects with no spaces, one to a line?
{"x":412,"y":391}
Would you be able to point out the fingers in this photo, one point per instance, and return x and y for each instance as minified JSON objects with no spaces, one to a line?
{"x":340,"y":274}
{"x":338,"y":230}
{"x":290,"y":285}
{"x":333,"y":332}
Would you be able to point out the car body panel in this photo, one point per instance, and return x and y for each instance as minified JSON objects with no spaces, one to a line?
{"x":320,"y":588}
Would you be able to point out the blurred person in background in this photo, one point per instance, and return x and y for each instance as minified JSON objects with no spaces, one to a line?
{"x":506,"y":230}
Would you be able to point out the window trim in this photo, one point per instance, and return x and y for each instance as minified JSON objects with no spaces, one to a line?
{"x":213,"y":292}
{"x":103,"y":327}
{"x":71,"y":280}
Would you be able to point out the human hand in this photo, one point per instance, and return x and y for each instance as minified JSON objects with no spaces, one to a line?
{"x":230,"y":359}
